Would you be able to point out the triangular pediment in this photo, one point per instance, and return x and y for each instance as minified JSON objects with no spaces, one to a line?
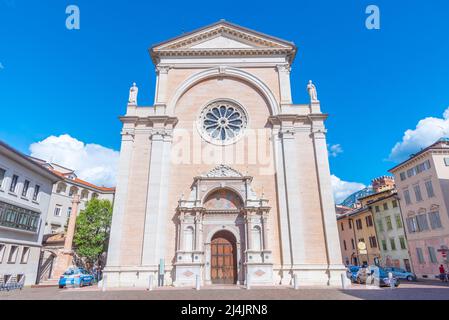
{"x":223,"y":36}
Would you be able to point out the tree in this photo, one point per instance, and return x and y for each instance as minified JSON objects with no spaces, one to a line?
{"x":92,"y":229}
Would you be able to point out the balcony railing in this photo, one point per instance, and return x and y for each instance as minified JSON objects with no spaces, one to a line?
{"x":15,"y":217}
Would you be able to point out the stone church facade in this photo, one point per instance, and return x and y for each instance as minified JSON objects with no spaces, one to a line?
{"x":223,"y":179}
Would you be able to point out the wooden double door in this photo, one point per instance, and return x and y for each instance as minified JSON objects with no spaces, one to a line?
{"x":223,"y":259}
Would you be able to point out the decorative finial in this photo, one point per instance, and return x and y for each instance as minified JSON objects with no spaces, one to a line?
{"x":133,"y":91}
{"x":311,"y":89}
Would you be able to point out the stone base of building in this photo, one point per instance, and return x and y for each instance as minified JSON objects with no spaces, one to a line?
{"x":260,"y":274}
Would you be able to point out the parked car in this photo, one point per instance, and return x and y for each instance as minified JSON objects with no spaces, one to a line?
{"x":375,"y":274}
{"x":351,"y":273}
{"x":402,"y":274}
{"x":76,"y":277}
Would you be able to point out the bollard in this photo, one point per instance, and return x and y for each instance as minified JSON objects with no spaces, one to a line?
{"x":343,"y":281}
{"x":198,"y":283}
{"x":296,"y":282}
{"x":150,"y":282}
{"x":104,"y":283}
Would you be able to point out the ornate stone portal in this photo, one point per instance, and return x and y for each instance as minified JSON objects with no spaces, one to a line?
{"x":223,"y":200}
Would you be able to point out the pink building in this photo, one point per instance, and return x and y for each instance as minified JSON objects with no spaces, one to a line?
{"x":423,"y":188}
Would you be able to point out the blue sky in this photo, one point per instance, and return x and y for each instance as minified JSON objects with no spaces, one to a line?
{"x":375,"y":84}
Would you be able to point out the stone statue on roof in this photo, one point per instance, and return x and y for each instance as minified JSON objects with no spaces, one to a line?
{"x":312,"y":91}
{"x":133,"y":91}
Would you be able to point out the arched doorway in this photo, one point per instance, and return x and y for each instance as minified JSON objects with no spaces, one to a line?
{"x":223,"y":258}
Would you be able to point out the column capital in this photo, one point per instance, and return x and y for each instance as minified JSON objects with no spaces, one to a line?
{"x":284,"y":67}
{"x":319,"y":133}
{"x":163,"y":69}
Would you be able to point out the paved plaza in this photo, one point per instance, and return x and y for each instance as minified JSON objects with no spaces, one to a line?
{"x":430,"y":290}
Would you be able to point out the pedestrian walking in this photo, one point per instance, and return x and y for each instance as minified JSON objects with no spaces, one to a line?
{"x":443,"y":274}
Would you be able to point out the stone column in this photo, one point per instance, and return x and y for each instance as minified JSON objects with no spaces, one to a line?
{"x":264,"y":233}
{"x":282,"y":199}
{"x":294,"y":207}
{"x":121,"y":196}
{"x":284,"y":83}
{"x":326,"y":196}
{"x":64,"y":258}
{"x":161,"y":86}
{"x":72,"y":223}
{"x":150,"y":255}
{"x":249,"y":227}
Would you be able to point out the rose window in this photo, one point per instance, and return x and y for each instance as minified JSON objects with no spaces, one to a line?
{"x":223,"y":122}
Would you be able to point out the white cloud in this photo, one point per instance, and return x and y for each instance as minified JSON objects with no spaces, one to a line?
{"x":343,"y":189}
{"x":335,"y":150}
{"x":91,"y":162}
{"x":427,"y":131}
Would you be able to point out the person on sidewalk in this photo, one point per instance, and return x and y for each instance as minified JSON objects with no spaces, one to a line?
{"x":443,"y":275}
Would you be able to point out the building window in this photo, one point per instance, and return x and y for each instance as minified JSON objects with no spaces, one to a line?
{"x":432,"y":255}
{"x":94,"y":195}
{"x":377,"y":208}
{"x":73,"y":191}
{"x":389,"y":224}
{"x":358,"y":222}
{"x":12,"y":187}
{"x":13,"y":251}
{"x":380,"y":225}
{"x":435,"y":221}
{"x":420,"y":255}
{"x":2,"y":252}
{"x":402,"y":243}
{"x":429,"y":188}
{"x":344,"y":245}
{"x":423,"y":225}
{"x":350,"y":224}
{"x":62,"y":187}
{"x":398,"y":221}
{"x":2,"y":176}
{"x":353,"y":244}
{"x":18,"y":218}
{"x":26,"y":186}
{"x":384,"y":245}
{"x":373,"y":242}
{"x":446,"y":162}
{"x":412,"y":225}
{"x":25,"y":255}
{"x":57,"y":212}
{"x":417,"y":193}
{"x":84,"y":194}
{"x":395,"y":204}
{"x":407,"y":198}
{"x":369,"y":221}
{"x":392,"y":244}
{"x":403,"y":177}
{"x":36,"y":192}
{"x":385,"y":206}
{"x":342,"y":227}
{"x":69,"y":212}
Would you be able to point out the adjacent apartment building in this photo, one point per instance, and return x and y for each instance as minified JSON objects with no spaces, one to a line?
{"x":385,"y":208}
{"x":423,"y":188}
{"x":62,"y":195}
{"x":25,"y":192}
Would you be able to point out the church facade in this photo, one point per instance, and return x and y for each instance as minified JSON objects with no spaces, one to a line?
{"x":223,"y":179}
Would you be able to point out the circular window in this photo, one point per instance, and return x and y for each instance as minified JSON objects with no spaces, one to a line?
{"x":222,"y":122}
